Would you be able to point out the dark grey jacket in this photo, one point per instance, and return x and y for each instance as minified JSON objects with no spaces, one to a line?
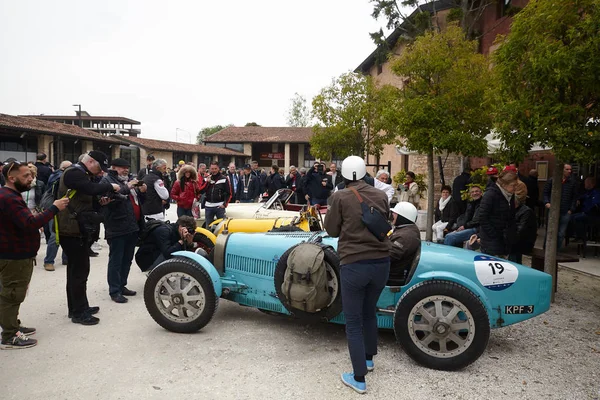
{"x":497,"y":226}
{"x":568,"y":199}
{"x":119,"y":218}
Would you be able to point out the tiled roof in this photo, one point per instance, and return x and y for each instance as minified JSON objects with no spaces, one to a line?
{"x":84,"y":118}
{"x":153,"y":144}
{"x":261,"y":134}
{"x":48,"y":127}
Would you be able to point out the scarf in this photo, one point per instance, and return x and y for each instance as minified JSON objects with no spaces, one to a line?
{"x":507,"y":195}
{"x":442,"y":203}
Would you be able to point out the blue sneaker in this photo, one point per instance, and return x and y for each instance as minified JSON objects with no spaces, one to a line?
{"x":359,"y":387}
{"x":370,"y":365}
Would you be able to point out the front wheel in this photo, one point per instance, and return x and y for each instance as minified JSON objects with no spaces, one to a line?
{"x":441,"y":325}
{"x":180,"y":296}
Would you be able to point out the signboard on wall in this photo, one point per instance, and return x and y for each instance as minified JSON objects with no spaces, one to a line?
{"x":272,"y":156}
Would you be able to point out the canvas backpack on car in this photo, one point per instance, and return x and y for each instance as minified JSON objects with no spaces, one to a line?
{"x":305,"y":282}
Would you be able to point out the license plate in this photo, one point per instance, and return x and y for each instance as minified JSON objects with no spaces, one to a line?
{"x":518,"y":309}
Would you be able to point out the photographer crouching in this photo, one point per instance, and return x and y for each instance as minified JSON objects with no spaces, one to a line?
{"x":122,"y":218}
{"x":160,"y":239}
{"x":78,"y":225}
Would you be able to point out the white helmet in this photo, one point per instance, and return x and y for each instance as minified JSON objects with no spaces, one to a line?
{"x":353,"y":168}
{"x":407,"y":210}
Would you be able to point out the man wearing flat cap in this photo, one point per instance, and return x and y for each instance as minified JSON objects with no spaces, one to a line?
{"x":77,"y":225}
{"x":122,"y":218}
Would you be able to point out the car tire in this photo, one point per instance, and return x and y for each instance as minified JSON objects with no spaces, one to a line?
{"x":335,"y":306}
{"x":180,"y":285}
{"x":204,"y":242}
{"x":433,"y":340}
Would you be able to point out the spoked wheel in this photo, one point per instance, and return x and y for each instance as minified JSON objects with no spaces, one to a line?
{"x":441,"y":325}
{"x":179,"y":295}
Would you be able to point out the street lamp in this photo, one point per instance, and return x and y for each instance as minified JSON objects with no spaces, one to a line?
{"x":80,"y":121}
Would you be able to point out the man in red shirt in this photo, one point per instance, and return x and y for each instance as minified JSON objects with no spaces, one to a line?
{"x":19,"y":244}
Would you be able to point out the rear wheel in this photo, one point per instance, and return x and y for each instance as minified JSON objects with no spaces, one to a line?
{"x":203,"y":242}
{"x":180,"y":296}
{"x":442,"y":325}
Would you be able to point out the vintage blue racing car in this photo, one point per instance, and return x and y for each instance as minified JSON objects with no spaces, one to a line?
{"x":441,"y":312}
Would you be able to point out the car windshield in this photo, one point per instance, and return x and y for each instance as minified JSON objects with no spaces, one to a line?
{"x":282,"y":195}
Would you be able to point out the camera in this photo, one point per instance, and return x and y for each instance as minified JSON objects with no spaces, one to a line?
{"x":139,"y":183}
{"x":320,"y":167}
{"x":116,"y":196}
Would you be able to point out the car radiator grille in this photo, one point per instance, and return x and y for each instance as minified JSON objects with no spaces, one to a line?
{"x":250,"y":265}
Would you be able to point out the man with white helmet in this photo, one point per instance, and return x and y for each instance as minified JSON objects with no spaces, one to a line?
{"x":365,"y":265}
{"x":406,"y":241}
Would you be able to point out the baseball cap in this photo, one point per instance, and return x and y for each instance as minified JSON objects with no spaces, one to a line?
{"x":120,"y":162}
{"x":247,"y":166}
{"x":510,"y":168}
{"x":101,"y":158}
{"x":150,"y":157}
{"x":181,"y":162}
{"x":492,"y":171}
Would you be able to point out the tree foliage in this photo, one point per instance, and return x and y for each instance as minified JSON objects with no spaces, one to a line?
{"x":209,"y":130}
{"x":441,"y":105}
{"x":349,"y":113}
{"x":252,"y":124}
{"x":549,"y":88}
{"x":299,"y":112}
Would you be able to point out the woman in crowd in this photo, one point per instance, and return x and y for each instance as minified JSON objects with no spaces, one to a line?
{"x":34,"y":195}
{"x":410,"y":190}
{"x":497,"y":228}
{"x":446,"y":213}
{"x":526,"y":225}
{"x":186,"y":189}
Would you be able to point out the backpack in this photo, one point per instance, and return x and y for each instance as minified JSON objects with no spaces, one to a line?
{"x":305,"y":281}
{"x":149,"y":226}
{"x":50,"y":195}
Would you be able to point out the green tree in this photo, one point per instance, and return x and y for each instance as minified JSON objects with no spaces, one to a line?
{"x":252,"y":124}
{"x":350,"y":112}
{"x":299,"y":113}
{"x":206,"y":132}
{"x":549,"y":89}
{"x":441,"y":105}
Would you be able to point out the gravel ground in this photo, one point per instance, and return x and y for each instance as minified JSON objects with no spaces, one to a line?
{"x":245,"y":354}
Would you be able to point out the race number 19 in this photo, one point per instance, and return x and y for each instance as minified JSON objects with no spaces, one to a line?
{"x":496,"y":267}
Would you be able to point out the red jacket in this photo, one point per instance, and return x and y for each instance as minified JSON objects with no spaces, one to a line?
{"x":191,"y":191}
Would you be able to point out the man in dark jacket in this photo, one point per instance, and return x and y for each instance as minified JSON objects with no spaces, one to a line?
{"x":122,"y":219}
{"x":568,"y":201}
{"x":526,"y":226}
{"x":52,"y":248}
{"x":145,"y":171}
{"x":248,"y":187}
{"x":468,"y":222}
{"x":44,"y":169}
{"x":317,"y":185}
{"x":260,"y":175}
{"x":218,"y":194}
{"x":364,"y":265}
{"x":162,"y":239}
{"x":497,"y":228}
{"x":19,"y":244}
{"x":460,"y":183}
{"x":292,"y":181}
{"x":274,"y":181}
{"x":157,"y":193}
{"x":533,"y":190}
{"x":300,"y":185}
{"x":75,"y":238}
{"x":234,"y":181}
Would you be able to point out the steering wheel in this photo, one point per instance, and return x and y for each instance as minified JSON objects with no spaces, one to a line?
{"x":278,"y":205}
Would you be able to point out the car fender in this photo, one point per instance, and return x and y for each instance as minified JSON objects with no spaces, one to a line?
{"x":207,"y":265}
{"x":461,"y":280}
{"x":208,"y":234}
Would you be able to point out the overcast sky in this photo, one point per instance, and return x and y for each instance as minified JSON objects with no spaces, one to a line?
{"x":177,"y":64}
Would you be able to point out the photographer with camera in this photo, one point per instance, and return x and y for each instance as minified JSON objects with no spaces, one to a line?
{"x":317,"y":185}
{"x":77,"y":226}
{"x":122,"y":218}
{"x":161,"y":239}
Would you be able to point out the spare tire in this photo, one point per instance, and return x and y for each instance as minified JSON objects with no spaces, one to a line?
{"x":334,"y":308}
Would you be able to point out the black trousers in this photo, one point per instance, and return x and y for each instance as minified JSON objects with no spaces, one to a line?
{"x":78,"y":270}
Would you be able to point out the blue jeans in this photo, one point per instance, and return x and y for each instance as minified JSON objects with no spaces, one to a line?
{"x":362,"y":284}
{"x":184,"y":211}
{"x":119,"y":261}
{"x":52,"y":248}
{"x":212,"y":213}
{"x":457,"y":238}
{"x":563,"y":223}
{"x":321,"y":202}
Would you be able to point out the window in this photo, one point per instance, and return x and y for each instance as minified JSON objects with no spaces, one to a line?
{"x":542,"y":169}
{"x":131,"y":154}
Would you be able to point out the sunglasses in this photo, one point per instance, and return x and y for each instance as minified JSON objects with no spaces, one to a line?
{"x":14,"y":164}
